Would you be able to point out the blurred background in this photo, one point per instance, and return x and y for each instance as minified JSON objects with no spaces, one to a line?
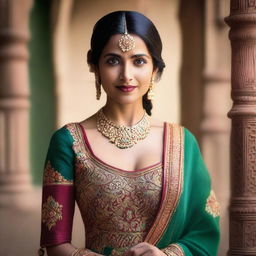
{"x":45,"y":83}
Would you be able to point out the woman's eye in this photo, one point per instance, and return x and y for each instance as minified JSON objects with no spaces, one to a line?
{"x":140,"y":61}
{"x":113,"y":61}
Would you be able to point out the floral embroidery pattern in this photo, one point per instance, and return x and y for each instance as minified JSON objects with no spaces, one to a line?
{"x":117,"y":207}
{"x":173,"y":250}
{"x":52,"y":176}
{"x":118,"y":210}
{"x":212,"y":205}
{"x":51,"y":212}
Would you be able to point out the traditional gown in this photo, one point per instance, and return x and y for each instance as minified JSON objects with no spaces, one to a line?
{"x":169,"y":204}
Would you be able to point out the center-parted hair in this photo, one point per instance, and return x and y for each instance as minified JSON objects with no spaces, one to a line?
{"x":137,"y":24}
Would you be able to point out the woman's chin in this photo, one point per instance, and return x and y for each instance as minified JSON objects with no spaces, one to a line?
{"x":124,"y":100}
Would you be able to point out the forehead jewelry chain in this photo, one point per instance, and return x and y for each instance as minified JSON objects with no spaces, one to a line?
{"x":123,"y":136}
{"x":126,"y":42}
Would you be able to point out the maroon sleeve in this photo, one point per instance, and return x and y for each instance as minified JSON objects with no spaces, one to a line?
{"x":58,"y":199}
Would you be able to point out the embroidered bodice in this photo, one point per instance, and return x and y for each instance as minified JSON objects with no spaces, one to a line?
{"x":118,"y":207}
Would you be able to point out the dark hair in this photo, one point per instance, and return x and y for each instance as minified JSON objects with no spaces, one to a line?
{"x":136,"y":23}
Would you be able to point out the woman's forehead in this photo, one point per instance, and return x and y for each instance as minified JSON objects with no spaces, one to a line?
{"x":113,"y":46}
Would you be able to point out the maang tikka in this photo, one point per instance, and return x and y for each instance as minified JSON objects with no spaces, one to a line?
{"x":126,"y":42}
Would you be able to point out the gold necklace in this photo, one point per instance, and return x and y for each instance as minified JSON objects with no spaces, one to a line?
{"x":123,"y":136}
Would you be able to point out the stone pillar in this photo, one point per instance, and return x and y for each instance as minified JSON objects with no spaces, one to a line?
{"x":215,"y":126}
{"x":242,"y":21}
{"x":14,"y":99}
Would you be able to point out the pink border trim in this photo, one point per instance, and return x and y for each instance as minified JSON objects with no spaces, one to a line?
{"x":87,"y":143}
{"x":164,"y":167}
{"x":172,"y":186}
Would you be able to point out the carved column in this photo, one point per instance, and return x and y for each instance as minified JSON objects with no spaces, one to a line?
{"x":14,"y":98}
{"x":242,"y":21}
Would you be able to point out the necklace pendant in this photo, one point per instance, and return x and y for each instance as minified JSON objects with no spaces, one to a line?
{"x":123,"y":136}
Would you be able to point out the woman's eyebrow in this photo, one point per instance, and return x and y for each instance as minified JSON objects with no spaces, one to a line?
{"x":112,"y":55}
{"x":140,"y":55}
{"x":133,"y":56}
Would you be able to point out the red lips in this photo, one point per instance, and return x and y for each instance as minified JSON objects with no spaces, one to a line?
{"x":126,"y":88}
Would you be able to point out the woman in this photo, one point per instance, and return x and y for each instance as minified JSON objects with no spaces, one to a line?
{"x":140,"y":184}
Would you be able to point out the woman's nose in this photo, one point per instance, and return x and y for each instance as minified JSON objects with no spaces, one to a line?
{"x":126,"y":73}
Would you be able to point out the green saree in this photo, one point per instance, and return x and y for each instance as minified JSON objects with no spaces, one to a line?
{"x":194,"y":227}
{"x":176,"y":210}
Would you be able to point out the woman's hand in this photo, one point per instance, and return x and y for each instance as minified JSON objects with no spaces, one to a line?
{"x":144,"y":249}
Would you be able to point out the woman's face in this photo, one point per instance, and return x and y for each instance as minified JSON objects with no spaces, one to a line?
{"x":125,"y":76}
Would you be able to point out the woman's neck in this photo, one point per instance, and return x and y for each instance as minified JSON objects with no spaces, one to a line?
{"x":127,"y":114}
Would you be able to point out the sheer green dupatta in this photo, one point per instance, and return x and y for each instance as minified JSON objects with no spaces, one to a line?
{"x":188,"y":219}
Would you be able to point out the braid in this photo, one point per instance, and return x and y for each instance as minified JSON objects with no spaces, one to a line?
{"x":147,"y":104}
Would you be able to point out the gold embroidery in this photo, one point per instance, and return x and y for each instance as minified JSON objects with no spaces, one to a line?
{"x":83,"y":252}
{"x":173,"y":171}
{"x":117,"y":207}
{"x":119,"y":251}
{"x":173,"y":250}
{"x":79,"y":146}
{"x":51,"y":212}
{"x":52,"y":176}
{"x":212,"y":205}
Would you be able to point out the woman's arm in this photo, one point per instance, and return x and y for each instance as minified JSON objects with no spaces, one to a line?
{"x":58,"y":199}
{"x":61,"y":250}
{"x":68,"y":249}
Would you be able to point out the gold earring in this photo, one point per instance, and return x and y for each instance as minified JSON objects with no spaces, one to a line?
{"x":98,"y":87}
{"x":151,"y":93}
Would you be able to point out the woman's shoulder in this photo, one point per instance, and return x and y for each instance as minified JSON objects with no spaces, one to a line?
{"x":65,"y":133}
{"x":180,"y":126}
{"x":156,"y":123}
{"x":188,"y":136}
{"x":89,"y":123}
{"x":71,"y":132}
{"x":172,"y":127}
{"x":68,"y":128}
{"x":62,"y":135}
